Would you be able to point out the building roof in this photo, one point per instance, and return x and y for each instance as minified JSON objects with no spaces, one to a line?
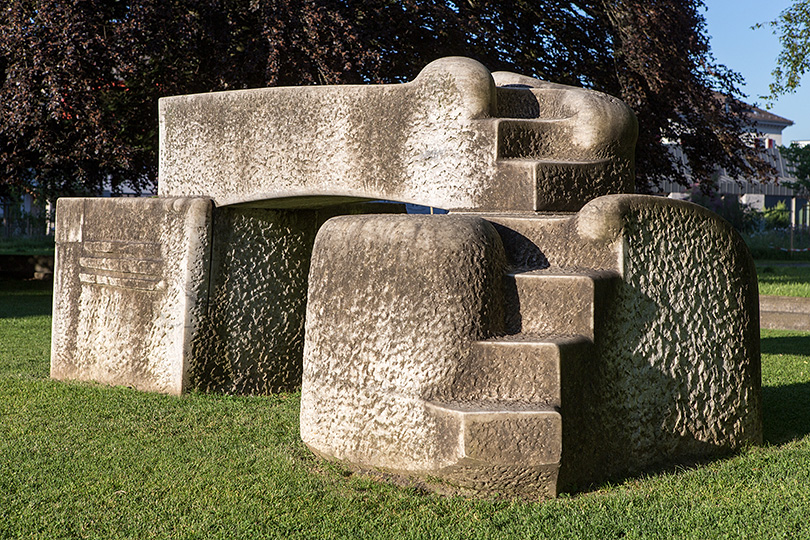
{"x":756,"y":114}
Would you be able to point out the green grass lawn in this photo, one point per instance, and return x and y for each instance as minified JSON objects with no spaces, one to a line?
{"x":43,"y":245}
{"x":86,"y":461}
{"x":778,"y":279}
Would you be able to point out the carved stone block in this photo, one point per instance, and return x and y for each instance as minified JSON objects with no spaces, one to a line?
{"x":130,"y":287}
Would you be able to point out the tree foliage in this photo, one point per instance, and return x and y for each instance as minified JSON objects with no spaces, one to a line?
{"x":799,"y":157}
{"x":793,"y":29}
{"x":79,"y":81}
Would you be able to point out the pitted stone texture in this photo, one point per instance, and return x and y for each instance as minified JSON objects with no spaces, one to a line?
{"x":679,"y":361}
{"x":253,"y":335}
{"x":394,"y":304}
{"x":435,"y":141}
{"x":252,"y":339}
{"x":675,"y":373}
{"x":129,"y":289}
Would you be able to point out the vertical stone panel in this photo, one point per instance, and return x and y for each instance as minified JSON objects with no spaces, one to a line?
{"x":130,"y":285}
{"x":254,"y":327}
{"x":253,"y":336}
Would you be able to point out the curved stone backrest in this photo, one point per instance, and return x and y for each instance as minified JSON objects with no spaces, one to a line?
{"x":449,"y":139}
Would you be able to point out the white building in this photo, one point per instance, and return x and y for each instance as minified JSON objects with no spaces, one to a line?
{"x":766,"y":132}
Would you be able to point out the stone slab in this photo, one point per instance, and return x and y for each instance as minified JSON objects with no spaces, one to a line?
{"x":252,"y":339}
{"x":394,"y":303}
{"x":130,"y":286}
{"x":443,"y":140}
{"x":784,"y":312}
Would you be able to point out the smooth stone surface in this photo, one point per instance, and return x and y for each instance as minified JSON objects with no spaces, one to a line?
{"x":449,"y":139}
{"x":784,"y":312}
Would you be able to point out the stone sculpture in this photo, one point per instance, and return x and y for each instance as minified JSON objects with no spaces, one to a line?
{"x":550,"y":332}
{"x":529,"y":354}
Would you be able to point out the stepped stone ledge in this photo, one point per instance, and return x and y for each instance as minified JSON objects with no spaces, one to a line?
{"x":552,"y":332}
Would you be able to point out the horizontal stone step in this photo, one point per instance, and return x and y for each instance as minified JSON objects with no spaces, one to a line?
{"x":519,"y":368}
{"x":533,"y":138}
{"x":784,"y":312}
{"x":501,"y":434}
{"x":523,"y":235}
{"x":539,"y":240}
{"x":784,"y":304}
{"x":555,"y":301}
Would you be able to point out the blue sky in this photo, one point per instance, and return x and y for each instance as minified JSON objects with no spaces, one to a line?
{"x":753,"y":54}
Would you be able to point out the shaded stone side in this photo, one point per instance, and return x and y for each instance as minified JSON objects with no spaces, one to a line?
{"x":678,"y":370}
{"x":130,"y":287}
{"x":395,"y":303}
{"x":253,"y":331}
{"x":252,"y":339}
{"x":673,"y":373}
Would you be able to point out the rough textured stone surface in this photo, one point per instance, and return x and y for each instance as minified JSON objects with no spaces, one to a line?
{"x":449,"y":139}
{"x":129,"y":289}
{"x":253,"y":332}
{"x":675,"y":373}
{"x":684,"y":379}
{"x":663,"y":365}
{"x":252,"y":336}
{"x":385,"y":337}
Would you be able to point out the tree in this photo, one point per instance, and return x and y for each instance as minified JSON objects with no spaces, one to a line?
{"x":79,"y":81}
{"x":793,"y":28}
{"x":57,"y":74}
{"x":799,"y":157}
{"x":653,"y":54}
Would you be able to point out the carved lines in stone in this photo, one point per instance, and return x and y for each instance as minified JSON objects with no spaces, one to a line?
{"x":129,"y":265}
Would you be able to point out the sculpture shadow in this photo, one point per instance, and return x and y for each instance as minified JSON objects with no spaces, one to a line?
{"x":521,"y":253}
{"x":786,"y":345}
{"x":679,"y":453}
{"x":786,"y":416}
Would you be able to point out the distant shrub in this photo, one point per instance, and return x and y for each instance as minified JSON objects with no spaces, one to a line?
{"x":775,"y":244}
{"x":741,"y":216}
{"x":777,"y":217}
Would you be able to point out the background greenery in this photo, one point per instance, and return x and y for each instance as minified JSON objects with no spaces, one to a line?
{"x":779,"y":278}
{"x":86,"y":461}
{"x":36,"y":245}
